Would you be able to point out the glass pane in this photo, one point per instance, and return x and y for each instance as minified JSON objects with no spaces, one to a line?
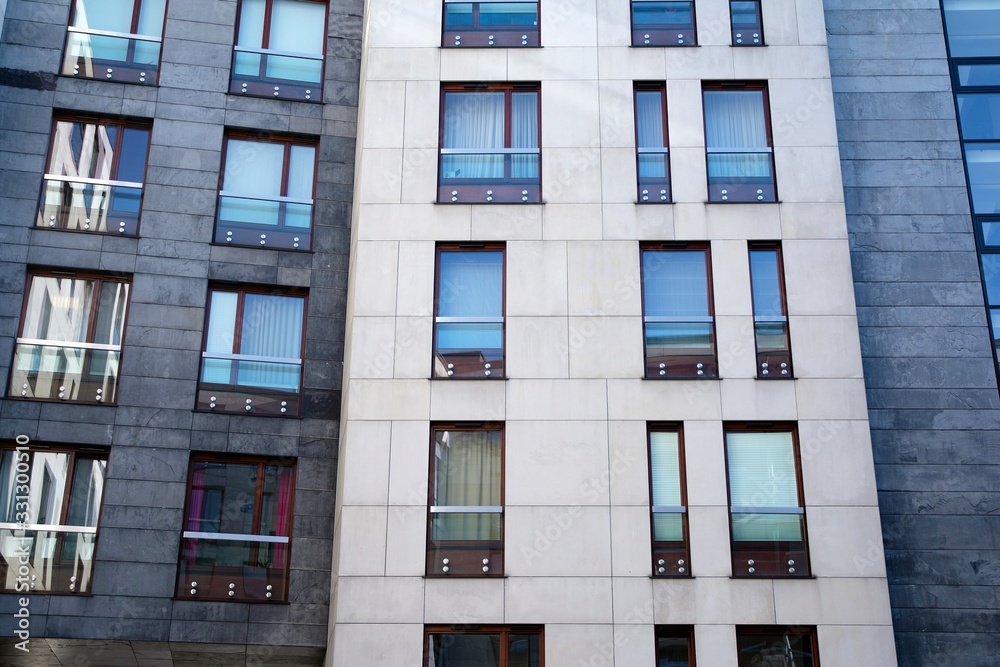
{"x":972,"y":28}
{"x":460,"y":650}
{"x":253,"y":167}
{"x":272,"y":326}
{"x":665,"y":465}
{"x":66,"y":373}
{"x":151,"y":17}
{"x":249,"y":211}
{"x":649,"y":118}
{"x":508,"y":14}
{"x":466,"y":526}
{"x":777,"y":650}
{"x":110,"y":15}
{"x":738,"y":167}
{"x":97,"y":47}
{"x":276,"y":501}
{"x":83,"y":150}
{"x":995,"y":323}
{"x":251,"y":33}
{"x":983,"y":161}
{"x":744,"y":14}
{"x":678,"y":338}
{"x":58,"y":309}
{"x":474,"y":120}
{"x":735,"y":119}
{"x":464,"y":336}
{"x":767,"y":527}
{"x":301,"y":164}
{"x":523,"y":651}
{"x":653,"y":166}
{"x":991,"y":233}
{"x":269,"y":375}
{"x":85,"y":496}
{"x":47,"y":476}
{"x":291,"y":68}
{"x":132,"y":160}
{"x":111,"y":313}
{"x":766,"y":283}
{"x":222,"y":497}
{"x":672,"y":14}
{"x":524,"y":120}
{"x":247,"y":64}
{"x":991,"y":275}
{"x":979,"y":115}
{"x":457,"y":16}
{"x":257,"y":570}
{"x":979,"y":75}
{"x":55,"y":561}
{"x":675,"y":283}
{"x":467,"y":468}
{"x":297,"y":26}
{"x":222,"y":322}
{"x":672,"y":651}
{"x":762,"y":469}
{"x":668,"y":527}
{"x":472,"y":166}
{"x":470,"y":284}
{"x":772,"y":338}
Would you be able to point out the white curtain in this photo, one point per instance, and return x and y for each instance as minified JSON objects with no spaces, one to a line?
{"x":271,"y":327}
{"x":253,"y":168}
{"x":675,"y":283}
{"x":735,"y":119}
{"x":524,"y":129}
{"x":473,"y":120}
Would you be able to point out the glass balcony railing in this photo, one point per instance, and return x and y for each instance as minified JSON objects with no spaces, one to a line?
{"x":465,"y":540}
{"x":769,"y":542}
{"x":503,"y":23}
{"x":670,"y":551}
{"x":115,"y":56}
{"x":654,"y":175}
{"x":469,"y":348}
{"x":90,"y":205}
{"x":680,"y":349}
{"x":774,"y":361}
{"x":73,"y":372}
{"x":282,"y":74}
{"x":741,"y":175}
{"x":46,"y":559}
{"x":272,"y":221}
{"x":659,"y":23}
{"x":252,"y":384}
{"x":476,"y":175}
{"x":222,"y":566}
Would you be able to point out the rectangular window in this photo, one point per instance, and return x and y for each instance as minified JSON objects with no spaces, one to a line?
{"x":490,"y":144}
{"x":50,"y":505}
{"x":770,"y":315}
{"x":738,"y":143}
{"x":668,"y":501}
{"x":663,"y":23}
{"x":674,"y":646}
{"x":767,"y":515}
{"x":266,"y":198}
{"x":484,"y":646}
{"x":252,"y":359}
{"x":465,"y":501}
{"x":652,"y":155}
{"x":70,"y":342}
{"x":237,"y":531}
{"x":748,"y":28}
{"x":280,"y":45}
{"x":94,"y":175}
{"x":677,"y":311}
{"x":115,"y":40}
{"x":778,"y":646}
{"x":496,"y":23}
{"x":469,"y":311}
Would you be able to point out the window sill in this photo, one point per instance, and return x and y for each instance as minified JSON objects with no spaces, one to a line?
{"x":464,"y":576}
{"x":440,"y":378}
{"x":747,"y":201}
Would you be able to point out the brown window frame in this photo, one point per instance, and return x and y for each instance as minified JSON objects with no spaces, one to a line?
{"x":66,"y":572}
{"x":664,"y":34}
{"x":479,"y":35}
{"x":472,"y":364}
{"x":256,"y":235}
{"x":664,"y":366}
{"x":652,"y":190}
{"x":756,"y":35}
{"x":504,"y":190}
{"x":27,"y":384}
{"x":237,"y":399}
{"x":504,"y":632}
{"x":191,"y":588}
{"x":127,"y":221}
{"x":670,"y":558}
{"x":685,"y":632}
{"x":768,"y":559}
{"x":115,"y":70}
{"x":275,"y":88}
{"x":465,"y":558}
{"x":771,"y":365}
{"x":739,"y":188}
{"x":777,"y":632}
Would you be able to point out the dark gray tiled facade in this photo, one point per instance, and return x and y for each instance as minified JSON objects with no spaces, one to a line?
{"x":929,"y":369}
{"x":153,"y":429}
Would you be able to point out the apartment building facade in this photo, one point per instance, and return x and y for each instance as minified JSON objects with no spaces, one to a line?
{"x":176,"y":188}
{"x":603,"y":392}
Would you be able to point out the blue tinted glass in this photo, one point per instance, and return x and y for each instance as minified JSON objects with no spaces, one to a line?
{"x":983,"y":161}
{"x":765,"y":283}
{"x":973,"y":28}
{"x":675,"y":283}
{"x":457,"y":15}
{"x":991,"y":233}
{"x":674,"y":14}
{"x":980,"y":115}
{"x":991,"y":274}
{"x":471,"y":284}
{"x":132,"y":160}
{"x":979,"y":75}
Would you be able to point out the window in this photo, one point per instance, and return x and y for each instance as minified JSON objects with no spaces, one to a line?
{"x":748,"y":28}
{"x":652,"y":155}
{"x":93,"y":181}
{"x":674,"y":646}
{"x":279,"y":49}
{"x":71,"y":335}
{"x":266,"y":199}
{"x":780,"y":647}
{"x":738,"y":142}
{"x":50,"y":504}
{"x":116,"y":40}
{"x":465,"y":501}
{"x":767,"y":515}
{"x":252,"y":363}
{"x":668,"y":502}
{"x":469,"y":311}
{"x":770,"y":316}
{"x":237,"y":531}
{"x":484,"y":646}
{"x":489,"y":144}
{"x":496,"y":23}
{"x":660,"y":23}
{"x":677,"y":311}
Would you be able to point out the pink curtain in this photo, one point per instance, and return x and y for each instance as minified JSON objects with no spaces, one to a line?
{"x":283,"y":517}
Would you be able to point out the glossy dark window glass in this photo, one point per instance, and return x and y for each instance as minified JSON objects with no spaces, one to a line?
{"x":979,"y":114}
{"x":780,"y":647}
{"x":484,"y":646}
{"x":972,"y":28}
{"x":674,"y":646}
